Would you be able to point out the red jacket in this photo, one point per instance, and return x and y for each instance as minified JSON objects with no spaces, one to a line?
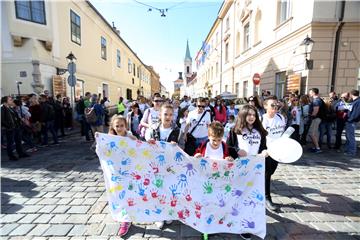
{"x":221,"y":117}
{"x":202,"y":149}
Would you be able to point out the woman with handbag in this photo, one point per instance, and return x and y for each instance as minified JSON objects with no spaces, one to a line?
{"x":196,"y":129}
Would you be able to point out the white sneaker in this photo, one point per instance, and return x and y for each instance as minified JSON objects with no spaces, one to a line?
{"x":159,"y":225}
{"x":168,"y":222}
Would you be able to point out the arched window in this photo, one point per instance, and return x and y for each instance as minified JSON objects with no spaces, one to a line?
{"x":257,"y":37}
{"x":187,"y":69}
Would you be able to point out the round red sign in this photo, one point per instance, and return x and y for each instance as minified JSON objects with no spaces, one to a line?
{"x":256,"y":79}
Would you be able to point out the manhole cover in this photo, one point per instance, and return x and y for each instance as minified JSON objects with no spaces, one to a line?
{"x":64,"y":167}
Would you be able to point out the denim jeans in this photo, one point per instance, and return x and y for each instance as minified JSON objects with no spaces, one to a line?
{"x":49,"y":126}
{"x":340,"y":124}
{"x":325,"y":128}
{"x":350,"y":145}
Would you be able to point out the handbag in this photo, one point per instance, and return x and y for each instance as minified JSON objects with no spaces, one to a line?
{"x":190,"y":144}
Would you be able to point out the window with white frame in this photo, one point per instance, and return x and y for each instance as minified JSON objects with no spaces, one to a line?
{"x":33,"y":11}
{"x":75,"y":27}
{"x":257,"y":37}
{"x":280,"y":84}
{"x":226,"y":52}
{"x":103,"y":48}
{"x":245,"y":88}
{"x":118,"y":58}
{"x":226,"y":88}
{"x":283,"y":11}
{"x":247,"y":36}
{"x":217,"y":69}
{"x":129,"y":66}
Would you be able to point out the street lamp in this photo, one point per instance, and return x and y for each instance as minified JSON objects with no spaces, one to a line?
{"x":308,"y":44}
{"x":71,"y":57}
{"x":18,"y":83}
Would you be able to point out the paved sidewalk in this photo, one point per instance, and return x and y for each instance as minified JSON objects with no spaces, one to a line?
{"x":58,"y":193}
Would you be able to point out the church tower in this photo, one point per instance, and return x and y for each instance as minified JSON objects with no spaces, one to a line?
{"x":187,"y":62}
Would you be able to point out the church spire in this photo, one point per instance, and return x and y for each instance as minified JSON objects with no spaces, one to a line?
{"x":187,"y":54}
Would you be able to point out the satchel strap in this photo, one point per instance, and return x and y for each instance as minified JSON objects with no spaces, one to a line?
{"x":198,"y":122}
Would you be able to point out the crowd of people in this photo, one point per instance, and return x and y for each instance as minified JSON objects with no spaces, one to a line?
{"x":26,"y":122}
{"x":203,"y":127}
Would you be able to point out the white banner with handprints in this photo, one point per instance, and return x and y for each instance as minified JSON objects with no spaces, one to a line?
{"x":147,"y":183}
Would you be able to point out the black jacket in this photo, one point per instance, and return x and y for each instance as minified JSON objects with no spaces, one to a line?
{"x":47,"y":112}
{"x":233,"y":144}
{"x":9,"y":118}
{"x":173,"y":136}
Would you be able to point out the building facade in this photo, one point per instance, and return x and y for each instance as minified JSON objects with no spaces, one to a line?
{"x":267,"y":38}
{"x":37,"y":37}
{"x":154,"y":80}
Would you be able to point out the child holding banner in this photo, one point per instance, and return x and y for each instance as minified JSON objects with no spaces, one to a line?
{"x":248,"y":137}
{"x":118,"y":126}
{"x":214,"y":147}
{"x":275,"y":125}
{"x":167,"y":131}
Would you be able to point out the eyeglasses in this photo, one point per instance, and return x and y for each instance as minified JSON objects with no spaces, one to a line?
{"x":201,"y":106}
{"x":158,"y":101}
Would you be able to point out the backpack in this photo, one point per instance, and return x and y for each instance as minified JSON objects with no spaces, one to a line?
{"x":90,"y":115}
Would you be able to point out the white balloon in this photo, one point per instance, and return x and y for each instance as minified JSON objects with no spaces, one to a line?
{"x":285,"y":150}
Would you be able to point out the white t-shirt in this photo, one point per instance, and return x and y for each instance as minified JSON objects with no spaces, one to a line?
{"x":164,"y":133}
{"x":151,"y":117}
{"x":214,"y":153}
{"x":185,"y":104}
{"x":201,"y":130}
{"x":175,"y":114}
{"x":295,"y":113}
{"x":274,"y":126}
{"x":249,"y":141}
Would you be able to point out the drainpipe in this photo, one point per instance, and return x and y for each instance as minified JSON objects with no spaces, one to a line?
{"x":336,"y":47}
{"x":221,"y":54}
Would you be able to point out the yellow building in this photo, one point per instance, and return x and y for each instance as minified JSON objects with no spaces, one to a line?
{"x":264,"y":37}
{"x":38,"y":36}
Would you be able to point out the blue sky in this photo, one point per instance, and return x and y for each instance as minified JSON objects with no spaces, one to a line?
{"x":161,"y":41}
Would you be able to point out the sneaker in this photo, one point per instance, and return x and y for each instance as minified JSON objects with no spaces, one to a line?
{"x":317,"y":150}
{"x":159,"y":225}
{"x":124,"y":228}
{"x":270,"y":205}
{"x":246,"y":236}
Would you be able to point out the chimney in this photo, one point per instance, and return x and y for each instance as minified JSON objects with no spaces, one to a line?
{"x":115,"y":29}
{"x":180,"y":75}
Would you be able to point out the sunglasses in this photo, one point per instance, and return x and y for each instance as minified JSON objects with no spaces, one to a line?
{"x":158,"y":101}
{"x":201,"y":106}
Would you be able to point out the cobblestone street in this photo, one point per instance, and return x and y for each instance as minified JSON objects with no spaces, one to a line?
{"x":58,"y":193}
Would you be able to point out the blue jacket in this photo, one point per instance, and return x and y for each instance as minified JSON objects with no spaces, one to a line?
{"x":100,"y":113}
{"x":354,"y":115}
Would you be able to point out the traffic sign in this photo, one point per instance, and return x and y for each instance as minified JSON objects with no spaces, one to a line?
{"x":71,"y":80}
{"x":256,"y":79}
{"x":72,"y":68}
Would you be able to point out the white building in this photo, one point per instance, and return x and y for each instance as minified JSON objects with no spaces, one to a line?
{"x":264,"y":37}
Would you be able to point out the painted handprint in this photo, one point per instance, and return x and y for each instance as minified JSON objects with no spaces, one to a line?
{"x":158,"y":181}
{"x":249,"y":202}
{"x":154,"y":167}
{"x":258,"y":166}
{"x":162,"y":144}
{"x":112,"y":146}
{"x":229,"y":165}
{"x":154,"y":193}
{"x":157,"y":210}
{"x":215,"y":166}
{"x":115,"y":206}
{"x":248,"y":224}
{"x":186,"y":212}
{"x":130,"y":202}
{"x":220,"y":198}
{"x":138,"y":143}
{"x":170,"y":169}
{"x":198,"y":214}
{"x":179,"y":157}
{"x":145,"y":198}
{"x":123,"y":143}
{"x":256,"y":194}
{"x":122,"y":194}
{"x":198,"y":206}
{"x":162,"y":199}
{"x":227,"y":188}
{"x":115,"y":178}
{"x":187,"y":195}
{"x":208,"y":187}
{"x":123,"y":173}
{"x":182,"y":180}
{"x":210,"y":219}
{"x":203,"y":164}
{"x":136,"y":176}
{"x":242,"y":163}
{"x":131,"y":186}
{"x":110,"y":163}
{"x":190,"y":170}
{"x":173,"y":189}
{"x":235,"y":210}
{"x":147,"y":211}
{"x":173,"y":201}
{"x":132,"y":153}
{"x":126,"y":161}
{"x":141,"y":191}
{"x":181,"y":215}
{"x":215,"y":175}
{"x":237,"y":192}
{"x":244,"y":173}
{"x":228,"y":174}
{"x":221,"y":220}
{"x":161,"y":159}
{"x":146,"y":182}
